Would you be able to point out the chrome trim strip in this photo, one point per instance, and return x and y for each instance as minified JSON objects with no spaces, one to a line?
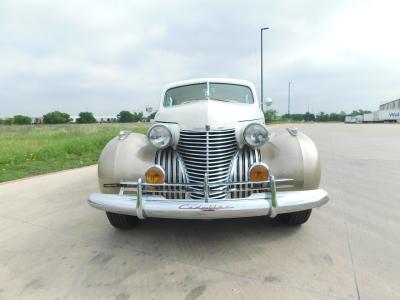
{"x":182,"y":167}
{"x":139,"y":204}
{"x":134,"y":183}
{"x":273,"y":201}
{"x":206,"y":187}
{"x":231,"y":166}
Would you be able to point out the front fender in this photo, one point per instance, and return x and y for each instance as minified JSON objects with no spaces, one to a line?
{"x":293,"y":156}
{"x":124,"y":160}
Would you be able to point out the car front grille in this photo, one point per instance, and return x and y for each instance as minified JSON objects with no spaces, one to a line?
{"x":245,"y":158}
{"x":169,"y":160}
{"x":208,"y":152}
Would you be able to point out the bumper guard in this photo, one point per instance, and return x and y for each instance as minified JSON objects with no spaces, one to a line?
{"x":262,"y":202}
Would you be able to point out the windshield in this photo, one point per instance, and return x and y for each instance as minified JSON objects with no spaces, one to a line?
{"x":212,"y":91}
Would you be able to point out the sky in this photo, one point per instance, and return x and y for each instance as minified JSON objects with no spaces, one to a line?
{"x":108,"y":56}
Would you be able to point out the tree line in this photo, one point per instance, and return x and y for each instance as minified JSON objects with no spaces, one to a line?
{"x":57,"y":117}
{"x":272,"y":116}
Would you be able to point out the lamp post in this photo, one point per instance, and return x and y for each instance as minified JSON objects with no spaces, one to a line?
{"x":288,"y":105}
{"x":262,"y":73}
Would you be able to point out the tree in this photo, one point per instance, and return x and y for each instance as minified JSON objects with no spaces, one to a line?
{"x":137,"y":117}
{"x":309,"y":117}
{"x":322,"y":117}
{"x":8,"y":121}
{"x":336,"y":117}
{"x":270,"y":115}
{"x":86,"y":117}
{"x":297,"y":117}
{"x":359,"y":112}
{"x":22,"y":120}
{"x":56,"y":117}
{"x":125,"y":117}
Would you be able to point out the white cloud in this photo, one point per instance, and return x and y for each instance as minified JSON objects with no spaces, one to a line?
{"x":110,"y":56}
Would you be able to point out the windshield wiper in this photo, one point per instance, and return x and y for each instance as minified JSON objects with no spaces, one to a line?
{"x":188,"y":101}
{"x":223,"y":100}
{"x":215,"y":99}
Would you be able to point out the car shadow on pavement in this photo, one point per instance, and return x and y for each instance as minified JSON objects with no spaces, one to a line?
{"x":270,"y":227}
{"x":197,"y":239}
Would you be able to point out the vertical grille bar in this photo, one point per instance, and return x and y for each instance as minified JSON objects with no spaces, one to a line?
{"x":168,"y":159}
{"x":241,"y":165}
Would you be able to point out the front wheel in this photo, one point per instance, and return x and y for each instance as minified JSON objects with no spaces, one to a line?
{"x":295,"y":218}
{"x":122,"y":221}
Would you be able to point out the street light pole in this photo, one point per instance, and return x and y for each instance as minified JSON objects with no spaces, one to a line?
{"x":262,"y":73}
{"x":288,"y":109}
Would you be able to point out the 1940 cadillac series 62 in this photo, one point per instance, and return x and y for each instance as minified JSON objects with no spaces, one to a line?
{"x":209,"y":155}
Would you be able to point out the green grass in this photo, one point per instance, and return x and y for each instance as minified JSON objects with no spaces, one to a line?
{"x":37,"y":149}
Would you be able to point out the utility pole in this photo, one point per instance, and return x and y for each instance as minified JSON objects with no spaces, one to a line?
{"x":288,"y":106}
{"x":262,"y":67}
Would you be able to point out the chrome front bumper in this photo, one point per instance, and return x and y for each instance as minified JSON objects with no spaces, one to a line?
{"x":270,"y":203}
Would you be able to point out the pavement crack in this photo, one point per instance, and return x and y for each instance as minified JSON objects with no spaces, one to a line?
{"x":352,"y":259}
{"x":349,"y":244}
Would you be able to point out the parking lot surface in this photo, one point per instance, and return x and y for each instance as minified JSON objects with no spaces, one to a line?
{"x":54,"y":246}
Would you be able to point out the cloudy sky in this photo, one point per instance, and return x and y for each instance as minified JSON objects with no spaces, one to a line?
{"x":106,"y":56}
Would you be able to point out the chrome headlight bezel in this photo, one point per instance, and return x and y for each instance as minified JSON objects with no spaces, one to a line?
{"x":256,"y":127}
{"x":167,"y":136}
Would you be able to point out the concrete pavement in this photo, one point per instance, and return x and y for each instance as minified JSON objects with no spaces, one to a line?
{"x":54,"y":246}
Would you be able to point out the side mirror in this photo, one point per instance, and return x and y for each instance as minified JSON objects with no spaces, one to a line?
{"x":266,"y":103}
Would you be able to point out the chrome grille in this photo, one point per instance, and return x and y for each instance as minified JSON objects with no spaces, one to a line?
{"x":170,"y":161}
{"x":244,"y":159}
{"x":208,"y":152}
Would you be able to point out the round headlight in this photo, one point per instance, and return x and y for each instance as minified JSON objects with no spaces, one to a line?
{"x":160,"y":136}
{"x":255,"y":135}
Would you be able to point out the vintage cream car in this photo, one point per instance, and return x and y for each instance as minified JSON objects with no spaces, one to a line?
{"x":209,"y":155}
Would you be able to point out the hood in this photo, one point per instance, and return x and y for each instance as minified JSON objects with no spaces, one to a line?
{"x":217,"y":114}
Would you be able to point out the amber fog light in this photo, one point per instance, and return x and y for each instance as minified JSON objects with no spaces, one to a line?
{"x":155,"y":174}
{"x":259,"y":172}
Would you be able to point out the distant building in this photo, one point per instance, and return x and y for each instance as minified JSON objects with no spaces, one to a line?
{"x":389,"y":111}
{"x":99,"y":119}
{"x":38,"y":120}
{"x":106,"y":119}
{"x":394,"y":104}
